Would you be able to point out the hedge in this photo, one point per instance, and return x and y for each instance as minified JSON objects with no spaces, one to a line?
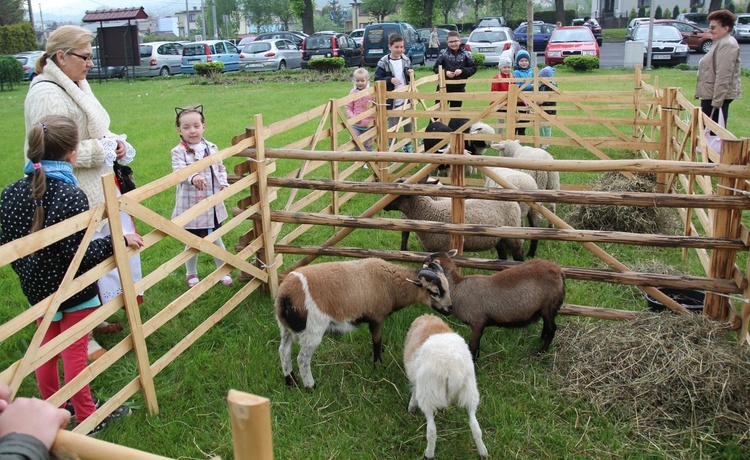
{"x":16,"y":38}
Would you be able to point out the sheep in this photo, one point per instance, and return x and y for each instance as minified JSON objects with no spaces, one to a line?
{"x":514,"y":297}
{"x":545,"y":180}
{"x":440,"y":370}
{"x":521,"y":181}
{"x":482,"y":212}
{"x":338,"y":296}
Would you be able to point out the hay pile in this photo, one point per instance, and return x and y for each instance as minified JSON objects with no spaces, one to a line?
{"x":633,"y":219}
{"x":668,"y":374}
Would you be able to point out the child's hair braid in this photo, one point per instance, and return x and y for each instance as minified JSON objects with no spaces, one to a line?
{"x":52,"y":138}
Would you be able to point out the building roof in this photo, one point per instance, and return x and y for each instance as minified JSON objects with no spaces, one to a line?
{"x":119,"y":14}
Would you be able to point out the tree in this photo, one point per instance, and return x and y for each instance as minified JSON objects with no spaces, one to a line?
{"x":658,"y":13}
{"x":379,"y":9}
{"x":676,"y":11}
{"x":475,"y":4}
{"x":284,"y":11}
{"x":560,"y":11}
{"x":715,"y":5}
{"x":305,"y":10}
{"x":418,"y":12}
{"x":258,"y":12}
{"x":446,"y":7}
{"x":11,"y":12}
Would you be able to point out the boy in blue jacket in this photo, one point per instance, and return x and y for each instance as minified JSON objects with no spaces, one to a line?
{"x":523,"y":69}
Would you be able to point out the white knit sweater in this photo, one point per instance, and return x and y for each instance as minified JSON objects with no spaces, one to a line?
{"x":76,"y":101}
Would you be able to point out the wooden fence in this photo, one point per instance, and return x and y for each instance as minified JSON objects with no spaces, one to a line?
{"x":632,"y":127}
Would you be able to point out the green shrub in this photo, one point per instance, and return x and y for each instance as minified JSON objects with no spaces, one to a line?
{"x":642,"y":12}
{"x":327,"y":64}
{"x":658,"y":12}
{"x":208,"y":69}
{"x":582,"y":63}
{"x":675,"y":11}
{"x":682,"y":66}
{"x":11,"y":71}
{"x":479,"y":58}
{"x":17,"y":37}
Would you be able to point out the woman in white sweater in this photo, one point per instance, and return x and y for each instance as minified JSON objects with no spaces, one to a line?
{"x":61,"y":89}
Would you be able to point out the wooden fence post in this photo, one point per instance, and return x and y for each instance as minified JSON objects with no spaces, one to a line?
{"x":457,"y":178}
{"x":726,"y":224}
{"x":267,"y":256}
{"x":252,"y":199}
{"x":251,"y":426}
{"x":334,"y":147}
{"x":665,"y":136}
{"x":382,"y":126}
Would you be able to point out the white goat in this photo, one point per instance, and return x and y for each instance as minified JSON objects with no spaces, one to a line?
{"x":338,"y":296}
{"x":440,"y":369}
{"x":521,"y":181}
{"x":545,"y":180}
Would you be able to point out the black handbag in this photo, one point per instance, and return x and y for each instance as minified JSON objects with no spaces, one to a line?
{"x":124,"y":176}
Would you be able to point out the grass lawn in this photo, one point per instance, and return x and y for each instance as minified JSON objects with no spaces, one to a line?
{"x":356,"y":411}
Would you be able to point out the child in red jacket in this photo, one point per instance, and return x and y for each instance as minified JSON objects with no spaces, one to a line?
{"x":505,"y":64}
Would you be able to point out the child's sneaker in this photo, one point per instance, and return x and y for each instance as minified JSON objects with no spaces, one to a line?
{"x":69,"y":406}
{"x":122,"y":411}
{"x":408,"y":148}
{"x":226,"y":280}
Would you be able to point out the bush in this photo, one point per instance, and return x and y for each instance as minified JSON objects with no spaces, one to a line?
{"x":479,"y":58}
{"x":658,"y":13}
{"x":582,"y":63}
{"x":208,"y":69}
{"x":11,"y":71}
{"x":17,"y":37}
{"x":642,"y":12}
{"x":682,"y":66}
{"x":327,"y":64}
{"x":676,"y":11}
{"x":632,"y":15}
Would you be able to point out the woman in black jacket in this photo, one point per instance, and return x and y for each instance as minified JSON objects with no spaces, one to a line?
{"x":458,"y":64}
{"x":49,"y":194}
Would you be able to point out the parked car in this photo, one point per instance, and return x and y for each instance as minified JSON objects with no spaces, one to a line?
{"x":28,"y":62}
{"x":159,"y":58}
{"x":570,"y":41}
{"x":102,"y":70}
{"x":492,"y":41}
{"x":375,"y":42}
{"x":632,"y":24}
{"x":742,"y":28}
{"x":270,"y":55}
{"x":492,"y":21}
{"x":322,"y":45}
{"x":210,"y":51}
{"x":293,"y":36}
{"x":667,"y":47}
{"x":452,"y":27}
{"x":694,"y":37}
{"x":699,"y":19}
{"x":542,"y":33}
{"x":245,"y":40}
{"x":595,"y":27}
{"x":357,"y":35}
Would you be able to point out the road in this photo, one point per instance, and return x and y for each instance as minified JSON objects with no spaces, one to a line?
{"x":612,"y":55}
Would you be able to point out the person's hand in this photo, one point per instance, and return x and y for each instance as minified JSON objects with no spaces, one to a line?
{"x":199,"y":182}
{"x":4,"y":396}
{"x":33,"y":417}
{"x":222,"y":187}
{"x":450,"y":73}
{"x":120,"y":151}
{"x":395,"y":81}
{"x":410,"y":72}
{"x":134,"y":241}
{"x":457,"y":72}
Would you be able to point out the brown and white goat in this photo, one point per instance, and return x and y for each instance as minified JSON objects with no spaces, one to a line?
{"x":338,"y":296}
{"x":441,"y":372}
{"x":515,"y":297}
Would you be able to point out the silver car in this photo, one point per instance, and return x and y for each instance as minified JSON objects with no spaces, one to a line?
{"x":492,"y":41}
{"x":742,"y":28}
{"x":274,"y":54}
{"x":159,"y":58}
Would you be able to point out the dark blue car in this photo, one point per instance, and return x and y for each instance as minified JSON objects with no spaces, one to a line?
{"x":542,"y":32}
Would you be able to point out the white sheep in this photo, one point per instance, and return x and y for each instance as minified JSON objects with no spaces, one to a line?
{"x":545,"y":180}
{"x":441,"y":372}
{"x":482,"y":212}
{"x":521,"y":181}
{"x":472,"y":147}
{"x":514,"y":297}
{"x":338,"y":296}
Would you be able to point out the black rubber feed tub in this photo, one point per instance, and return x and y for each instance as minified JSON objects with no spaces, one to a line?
{"x":691,"y":299}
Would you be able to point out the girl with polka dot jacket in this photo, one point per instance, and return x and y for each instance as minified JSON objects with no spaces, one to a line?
{"x":49,"y":194}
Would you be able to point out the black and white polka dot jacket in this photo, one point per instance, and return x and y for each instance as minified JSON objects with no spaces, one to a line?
{"x":40,"y":273}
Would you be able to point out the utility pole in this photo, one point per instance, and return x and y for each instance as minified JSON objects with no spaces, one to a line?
{"x":203,"y":19}
{"x":187,"y":22}
{"x":41,"y":18}
{"x":31,"y":15}
{"x":213,"y":13}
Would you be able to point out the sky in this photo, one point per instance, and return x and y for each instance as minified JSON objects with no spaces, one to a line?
{"x":73,"y":10}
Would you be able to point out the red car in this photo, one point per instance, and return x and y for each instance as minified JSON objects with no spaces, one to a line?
{"x":570,"y":41}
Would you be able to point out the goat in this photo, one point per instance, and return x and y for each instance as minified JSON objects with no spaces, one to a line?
{"x":483,"y":212}
{"x":440,"y":370}
{"x":515,"y":297}
{"x":545,"y":180}
{"x":338,"y":296}
{"x":521,"y":181}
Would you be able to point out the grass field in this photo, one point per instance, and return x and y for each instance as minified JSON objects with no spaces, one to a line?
{"x":356,"y":411}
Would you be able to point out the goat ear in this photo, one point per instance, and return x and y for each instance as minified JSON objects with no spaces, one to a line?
{"x":453,"y":252}
{"x":417,"y":282}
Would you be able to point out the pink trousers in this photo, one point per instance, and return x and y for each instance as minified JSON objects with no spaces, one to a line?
{"x":74,"y":360}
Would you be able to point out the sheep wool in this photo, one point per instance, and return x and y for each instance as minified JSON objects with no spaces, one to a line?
{"x":440,"y":370}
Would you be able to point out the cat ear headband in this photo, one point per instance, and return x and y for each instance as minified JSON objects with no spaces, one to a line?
{"x":191,"y":108}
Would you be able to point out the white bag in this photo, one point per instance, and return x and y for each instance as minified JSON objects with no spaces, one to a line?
{"x":712,"y":140}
